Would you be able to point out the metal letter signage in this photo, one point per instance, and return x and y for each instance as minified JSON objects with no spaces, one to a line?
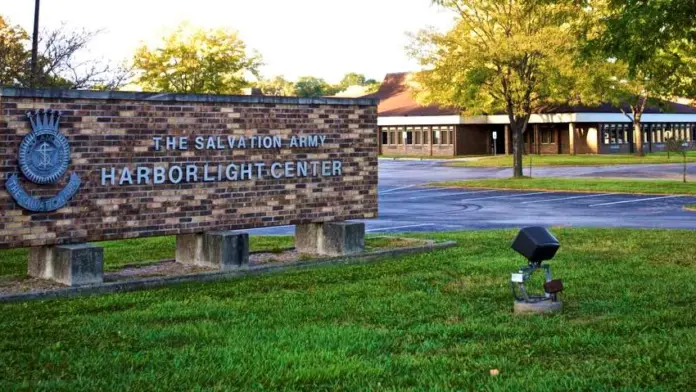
{"x":44,"y":155}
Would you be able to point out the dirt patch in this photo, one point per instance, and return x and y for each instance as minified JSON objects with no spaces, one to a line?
{"x":25,"y":284}
{"x":169,"y":268}
{"x":163,"y":268}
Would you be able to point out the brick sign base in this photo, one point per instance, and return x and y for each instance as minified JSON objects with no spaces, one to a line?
{"x":167,"y":164}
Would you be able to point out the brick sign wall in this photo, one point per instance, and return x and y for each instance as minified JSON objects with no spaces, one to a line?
{"x":162,"y":164}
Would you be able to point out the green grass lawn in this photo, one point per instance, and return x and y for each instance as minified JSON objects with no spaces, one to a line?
{"x":400,"y":156}
{"x":577,"y":160}
{"x":618,"y":185}
{"x":437,"y":321}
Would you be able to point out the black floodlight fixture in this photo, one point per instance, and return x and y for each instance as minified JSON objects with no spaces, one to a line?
{"x":537,"y":245}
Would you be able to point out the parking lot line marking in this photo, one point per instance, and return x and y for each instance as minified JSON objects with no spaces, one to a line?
{"x":633,"y":201}
{"x":400,"y":227}
{"x":506,"y":196}
{"x":448,"y":194}
{"x":566,"y":198}
{"x":410,"y":192}
{"x":396,"y":189}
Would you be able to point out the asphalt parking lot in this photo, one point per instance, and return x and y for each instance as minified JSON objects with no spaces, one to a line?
{"x":417,"y":208}
{"x":407,"y":204}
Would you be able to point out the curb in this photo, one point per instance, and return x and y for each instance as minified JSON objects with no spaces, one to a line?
{"x":148,"y":283}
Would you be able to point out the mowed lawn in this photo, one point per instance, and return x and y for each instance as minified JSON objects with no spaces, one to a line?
{"x":585,"y":184}
{"x":437,"y":321}
{"x":578,"y":160}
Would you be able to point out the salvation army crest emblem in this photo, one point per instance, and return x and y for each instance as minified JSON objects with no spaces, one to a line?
{"x":44,"y":157}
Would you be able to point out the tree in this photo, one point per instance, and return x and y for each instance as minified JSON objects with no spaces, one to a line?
{"x":352,"y":79}
{"x":61,"y":60}
{"x":309,"y":86}
{"x":61,"y":63}
{"x":681,"y":147}
{"x":13,"y":55}
{"x":196,"y":61}
{"x":654,"y":42}
{"x":276,"y":86}
{"x":355,"y":79}
{"x":516,"y":57}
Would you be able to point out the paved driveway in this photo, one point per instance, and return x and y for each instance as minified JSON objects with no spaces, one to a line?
{"x":405,"y":204}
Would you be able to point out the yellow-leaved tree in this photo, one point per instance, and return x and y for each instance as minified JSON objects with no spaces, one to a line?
{"x":512,"y":57}
{"x":194,"y":60}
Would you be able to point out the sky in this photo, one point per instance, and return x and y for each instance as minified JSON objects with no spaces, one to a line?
{"x":322,"y":38}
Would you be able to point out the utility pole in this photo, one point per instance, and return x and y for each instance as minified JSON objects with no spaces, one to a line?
{"x":35,"y":44}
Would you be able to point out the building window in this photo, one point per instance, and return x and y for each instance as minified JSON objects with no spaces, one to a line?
{"x":436,"y":135}
{"x":451,"y":135}
{"x":417,"y":135}
{"x":426,"y":133}
{"x":400,"y":135}
{"x":658,"y":132}
{"x":408,"y":135}
{"x":385,"y":137}
{"x":548,"y":136}
{"x":445,"y":134}
{"x":615,"y":133}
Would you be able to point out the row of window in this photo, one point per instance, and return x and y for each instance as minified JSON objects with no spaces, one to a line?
{"x":547,"y":135}
{"x":652,"y":132}
{"x":417,"y":135}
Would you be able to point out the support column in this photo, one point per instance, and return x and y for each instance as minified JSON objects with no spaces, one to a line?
{"x":330,"y":238}
{"x":223,"y":250}
{"x":508,"y":140}
{"x":72,"y":265}
{"x":455,"y":139}
{"x":430,"y":139}
{"x":571,"y":138}
{"x":536,"y":139}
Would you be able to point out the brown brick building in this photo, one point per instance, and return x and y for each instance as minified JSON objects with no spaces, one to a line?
{"x":407,"y":128}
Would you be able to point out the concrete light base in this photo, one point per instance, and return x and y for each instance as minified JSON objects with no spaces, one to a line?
{"x":330,"y":238}
{"x":223,"y":250}
{"x":72,"y":265}
{"x":541,"y":307}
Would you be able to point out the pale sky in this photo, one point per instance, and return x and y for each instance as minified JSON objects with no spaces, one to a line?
{"x":323,"y":38}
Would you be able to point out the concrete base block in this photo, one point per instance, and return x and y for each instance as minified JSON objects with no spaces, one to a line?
{"x":541,"y":307}
{"x":224,"y":250}
{"x":330,"y":238}
{"x":72,"y":265}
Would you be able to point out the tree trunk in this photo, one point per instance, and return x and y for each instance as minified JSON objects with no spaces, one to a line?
{"x":638,"y":136}
{"x":637,"y":130}
{"x":517,"y":150}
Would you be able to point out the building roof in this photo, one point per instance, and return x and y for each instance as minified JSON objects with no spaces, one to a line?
{"x":396,"y":99}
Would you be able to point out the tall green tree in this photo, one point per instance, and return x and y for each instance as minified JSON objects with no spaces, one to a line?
{"x":14,"y":57}
{"x":194,"y":60}
{"x":277,"y":86}
{"x":515,"y":57}
{"x":309,"y":86}
{"x":355,"y":79}
{"x":62,"y":60}
{"x":653,"y":44}
{"x":352,"y":79}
